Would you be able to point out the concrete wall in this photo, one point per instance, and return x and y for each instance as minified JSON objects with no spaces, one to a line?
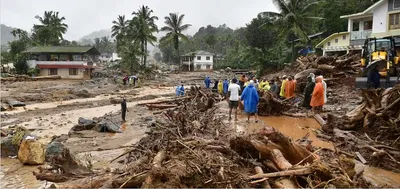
{"x":380,"y":18}
{"x":203,"y":62}
{"x":64,"y":73}
{"x":340,"y":41}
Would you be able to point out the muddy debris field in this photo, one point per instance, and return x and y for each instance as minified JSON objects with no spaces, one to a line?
{"x":72,"y":135}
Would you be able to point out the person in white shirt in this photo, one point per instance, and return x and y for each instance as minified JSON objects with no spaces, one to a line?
{"x":233,"y":92}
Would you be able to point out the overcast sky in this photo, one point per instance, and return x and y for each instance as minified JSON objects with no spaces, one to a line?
{"x":86,"y":16}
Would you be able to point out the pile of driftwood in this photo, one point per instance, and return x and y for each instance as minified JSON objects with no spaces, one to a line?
{"x":333,"y":68}
{"x":378,"y":107}
{"x":192,"y":147}
{"x":378,"y":115}
{"x":204,"y":98}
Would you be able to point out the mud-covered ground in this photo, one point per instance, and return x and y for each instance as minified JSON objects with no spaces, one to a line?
{"x":53,"y":108}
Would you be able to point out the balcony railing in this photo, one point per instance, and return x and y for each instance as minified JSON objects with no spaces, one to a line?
{"x":33,"y":63}
{"x":355,"y":35}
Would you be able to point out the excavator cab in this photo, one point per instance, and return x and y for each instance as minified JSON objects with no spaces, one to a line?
{"x":381,"y":54}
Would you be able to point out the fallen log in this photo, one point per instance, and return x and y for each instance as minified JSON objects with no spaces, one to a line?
{"x":265,"y":183}
{"x":295,"y":172}
{"x":326,"y":67}
{"x":161,"y":106}
{"x":168,"y":101}
{"x":319,"y":119}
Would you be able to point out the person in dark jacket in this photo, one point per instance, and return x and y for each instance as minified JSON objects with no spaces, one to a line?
{"x":123,"y":109}
{"x":374,"y":78}
{"x":309,"y":90}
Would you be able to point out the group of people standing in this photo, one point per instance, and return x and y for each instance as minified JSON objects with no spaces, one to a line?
{"x":235,"y":93}
{"x":246,"y":91}
{"x":128,"y":80}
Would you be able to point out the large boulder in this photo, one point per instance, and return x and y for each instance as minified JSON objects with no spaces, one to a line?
{"x":54,"y":149}
{"x":86,"y":122}
{"x":8,"y":148}
{"x":31,"y":152}
{"x":15,"y":103}
{"x":107,"y":126}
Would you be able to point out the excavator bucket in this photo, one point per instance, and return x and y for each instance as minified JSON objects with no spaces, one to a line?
{"x":362,"y":82}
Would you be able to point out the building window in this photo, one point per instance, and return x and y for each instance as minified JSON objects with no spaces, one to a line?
{"x":394,"y":21}
{"x":368,"y":25}
{"x":198,"y":67}
{"x":329,"y":44}
{"x":208,"y":67}
{"x":198,"y":57}
{"x":356,"y":26}
{"x":336,"y":40}
{"x":396,"y":4}
{"x":53,"y":71}
{"x":207,"y":58}
{"x":344,"y":37}
{"x":73,"y":71}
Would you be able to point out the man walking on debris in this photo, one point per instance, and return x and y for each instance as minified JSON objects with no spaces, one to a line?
{"x":233,"y":89}
{"x":123,"y":109}
{"x":250,"y":98}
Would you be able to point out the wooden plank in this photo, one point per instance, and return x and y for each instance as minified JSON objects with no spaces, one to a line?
{"x":361,"y":158}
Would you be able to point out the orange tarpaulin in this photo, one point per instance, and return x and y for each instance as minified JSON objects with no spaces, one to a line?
{"x":317,"y":98}
{"x":289,"y":89}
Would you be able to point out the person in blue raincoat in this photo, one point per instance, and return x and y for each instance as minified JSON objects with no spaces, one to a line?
{"x":182,"y":90}
{"x":207,"y":81}
{"x":177,"y":90}
{"x":250,"y":98}
{"x":225,"y":86}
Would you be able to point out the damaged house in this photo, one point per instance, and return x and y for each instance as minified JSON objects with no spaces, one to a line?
{"x":67,"y":62}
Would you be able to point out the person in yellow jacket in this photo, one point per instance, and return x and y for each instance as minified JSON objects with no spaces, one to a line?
{"x":262,"y":84}
{"x":284,"y":80}
{"x":266,"y":86}
{"x":220,"y":87}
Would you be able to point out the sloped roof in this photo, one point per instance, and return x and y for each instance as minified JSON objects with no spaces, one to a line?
{"x":330,"y":37}
{"x":366,"y":11}
{"x":200,"y":52}
{"x":63,"y":49}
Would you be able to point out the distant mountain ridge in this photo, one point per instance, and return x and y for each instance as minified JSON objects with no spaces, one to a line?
{"x":6,"y":35}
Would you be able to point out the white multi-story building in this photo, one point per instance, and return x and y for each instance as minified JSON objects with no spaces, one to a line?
{"x":382,"y":19}
{"x":199,"y":60}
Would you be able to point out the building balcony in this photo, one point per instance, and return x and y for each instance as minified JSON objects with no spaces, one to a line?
{"x":357,"y":35}
{"x":33,"y":63}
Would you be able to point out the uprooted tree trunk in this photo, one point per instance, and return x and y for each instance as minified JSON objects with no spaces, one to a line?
{"x":377,"y":106}
{"x":63,"y":167}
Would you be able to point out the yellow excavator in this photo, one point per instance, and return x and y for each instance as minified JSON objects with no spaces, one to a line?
{"x":381,"y":54}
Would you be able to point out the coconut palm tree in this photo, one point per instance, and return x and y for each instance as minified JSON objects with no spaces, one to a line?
{"x":119,"y":28}
{"x":51,"y":28}
{"x":175,"y":27}
{"x":143,"y":27}
{"x":293,"y":19}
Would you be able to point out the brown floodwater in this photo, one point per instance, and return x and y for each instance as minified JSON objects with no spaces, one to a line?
{"x":14,"y":175}
{"x":296,"y":128}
